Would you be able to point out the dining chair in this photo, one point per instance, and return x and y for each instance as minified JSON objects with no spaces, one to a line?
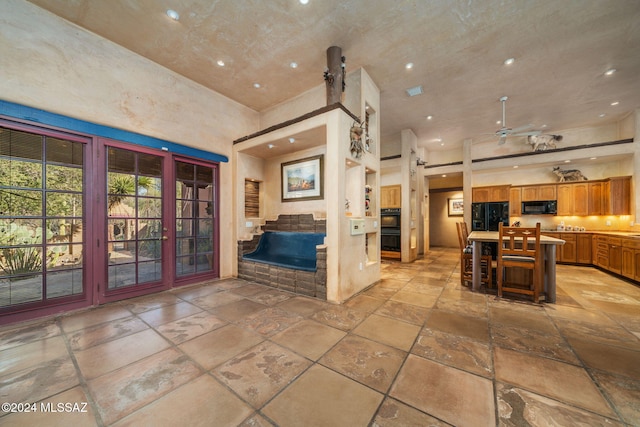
{"x":466,"y":259}
{"x":520,"y":247}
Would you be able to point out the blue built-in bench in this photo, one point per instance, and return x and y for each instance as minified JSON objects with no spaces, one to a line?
{"x":294,"y":250}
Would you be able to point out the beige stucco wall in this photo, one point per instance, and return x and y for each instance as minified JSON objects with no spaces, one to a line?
{"x":47,"y":63}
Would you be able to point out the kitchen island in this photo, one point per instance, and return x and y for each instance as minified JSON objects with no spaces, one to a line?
{"x":549,"y":262}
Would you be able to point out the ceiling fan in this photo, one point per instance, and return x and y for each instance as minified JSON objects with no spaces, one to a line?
{"x":504,"y":132}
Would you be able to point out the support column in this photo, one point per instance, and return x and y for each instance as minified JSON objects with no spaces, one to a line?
{"x":467,"y":181}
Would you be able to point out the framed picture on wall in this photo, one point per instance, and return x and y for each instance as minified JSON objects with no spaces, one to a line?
{"x":455,"y":207}
{"x":303,"y":179}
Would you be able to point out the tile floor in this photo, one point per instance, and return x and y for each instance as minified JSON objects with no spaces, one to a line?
{"x":416,"y":349}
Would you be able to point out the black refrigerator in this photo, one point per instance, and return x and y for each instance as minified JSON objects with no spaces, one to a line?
{"x":487,"y":216}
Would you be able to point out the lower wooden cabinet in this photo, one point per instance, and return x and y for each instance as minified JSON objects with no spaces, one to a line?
{"x":583,"y":249}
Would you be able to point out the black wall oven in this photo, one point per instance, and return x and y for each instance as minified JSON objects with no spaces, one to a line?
{"x":390,"y":229}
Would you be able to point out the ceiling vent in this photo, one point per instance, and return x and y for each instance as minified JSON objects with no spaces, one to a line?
{"x":414,"y":91}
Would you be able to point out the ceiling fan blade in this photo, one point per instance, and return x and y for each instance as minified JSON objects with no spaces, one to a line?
{"x":531,"y":133}
{"x":522,"y":128}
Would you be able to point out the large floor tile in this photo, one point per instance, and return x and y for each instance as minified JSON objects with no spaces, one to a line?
{"x":533,"y":341}
{"x":15,"y":335}
{"x":260,"y":372}
{"x":106,"y":357}
{"x":393,"y":332}
{"x":365,"y":361}
{"x":220,"y":345}
{"x":475,"y":328}
{"x":89,"y":337}
{"x":201,"y":402}
{"x":270,"y":321}
{"x":169,"y":313}
{"x":408,"y":312}
{"x":393,"y":413}
{"x":607,"y":358}
{"x":304,"y":306}
{"x":309,"y":338}
{"x":416,"y":298}
{"x":134,"y":386}
{"x":449,"y":394}
{"x":340,"y":317}
{"x":550,"y":378}
{"x":624,"y":392}
{"x":454,"y":350}
{"x":34,"y":353}
{"x":237,"y":310}
{"x":518,"y":407}
{"x":321,"y":398}
{"x":190,"y":327}
{"x":92,"y":317}
{"x":55,"y":412}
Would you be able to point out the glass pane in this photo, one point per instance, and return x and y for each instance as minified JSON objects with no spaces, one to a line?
{"x":205,"y":227}
{"x":64,"y":178}
{"x":149,"y":207}
{"x":204,"y":245}
{"x":150,"y":165}
{"x":123,"y":207}
{"x":19,"y":290}
{"x":149,"y":249}
{"x":16,"y":173}
{"x":184,"y":227}
{"x":184,"y":246}
{"x":14,"y":232}
{"x":149,"y":271}
{"x":63,"y":151}
{"x":122,"y":275}
{"x":148,"y":186}
{"x":204,"y":263}
{"x":64,"y":283}
{"x":185,"y":265}
{"x":184,"y":209}
{"x":122,"y":252}
{"x":204,"y":174}
{"x":25,"y":145}
{"x":64,"y":230}
{"x":21,"y":261}
{"x":204,"y":209}
{"x":20,"y":203}
{"x":184,"y":171}
{"x":64,"y":204}
{"x":149,"y":229}
{"x":63,"y":257}
{"x":121,"y":160}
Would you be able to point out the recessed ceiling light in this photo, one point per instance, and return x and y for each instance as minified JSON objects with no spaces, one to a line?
{"x":543,"y":126}
{"x":444,"y":175}
{"x":442,"y":144}
{"x":610,"y":72}
{"x":270,"y":146}
{"x":220,"y":63}
{"x":614,"y":103}
{"x":292,"y":140}
{"x":567,"y":161}
{"x":304,"y":1}
{"x":593,"y":158}
{"x":293,"y":64}
{"x":429,"y":117}
{"x":601,"y":115}
{"x":509,"y":61}
{"x":414,"y":91}
{"x":515,"y":167}
{"x":408,"y":65}
{"x":256,"y":85}
{"x":498,"y":122}
{"x":173,"y":14}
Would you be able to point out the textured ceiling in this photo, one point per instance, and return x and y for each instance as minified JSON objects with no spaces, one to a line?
{"x":562,"y":48}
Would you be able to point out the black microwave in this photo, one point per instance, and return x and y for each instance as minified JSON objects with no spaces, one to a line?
{"x":541,"y":207}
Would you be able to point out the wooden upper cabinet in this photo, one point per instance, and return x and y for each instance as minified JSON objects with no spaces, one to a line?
{"x":617,"y":195}
{"x":515,"y":201}
{"x":595,"y":198}
{"x":390,"y":196}
{"x":565,"y":199}
{"x":496,"y":193}
{"x":533,"y":193}
{"x":581,"y":199}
